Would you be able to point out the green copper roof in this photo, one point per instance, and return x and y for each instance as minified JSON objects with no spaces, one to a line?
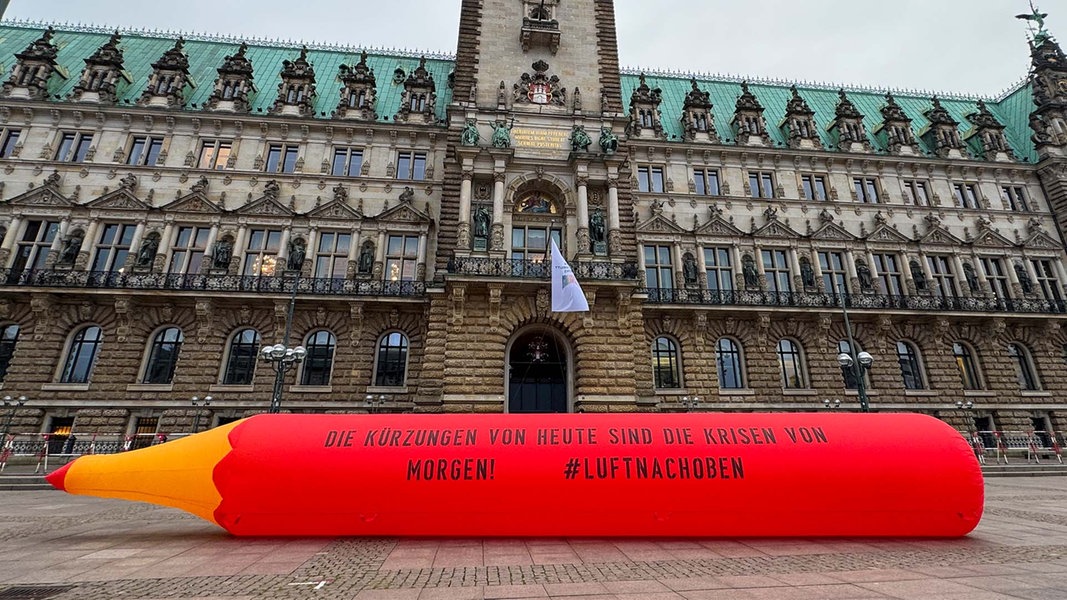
{"x":205,"y":57}
{"x":1013,"y":111}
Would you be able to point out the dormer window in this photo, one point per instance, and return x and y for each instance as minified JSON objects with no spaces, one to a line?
{"x":102,"y":72}
{"x":419,"y":100}
{"x":297,"y":89}
{"x":234,"y":86}
{"x":540,"y":28}
{"x":167,"y":82}
{"x":644,"y":110}
{"x":358,"y":94}
{"x":987,"y":135}
{"x":34,"y":68}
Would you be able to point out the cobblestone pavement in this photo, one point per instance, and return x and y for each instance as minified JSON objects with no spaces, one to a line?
{"x":84,"y":548}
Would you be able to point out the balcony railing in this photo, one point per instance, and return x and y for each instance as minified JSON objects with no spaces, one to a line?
{"x":210,"y":283}
{"x":529,"y":269}
{"x":858,"y":301}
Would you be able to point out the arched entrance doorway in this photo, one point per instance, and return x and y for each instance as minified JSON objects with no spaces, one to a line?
{"x":538,"y":373}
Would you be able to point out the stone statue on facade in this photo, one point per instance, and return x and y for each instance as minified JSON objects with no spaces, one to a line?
{"x":223,"y":253}
{"x":470,"y":135}
{"x":609,"y":142}
{"x":807,"y":273}
{"x":297,"y":252}
{"x":502,"y":134}
{"x":749,"y":272}
{"x":481,"y":222}
{"x":917,"y":275}
{"x":71,"y":247}
{"x":863,"y":273}
{"x":148,"y":250}
{"x":407,"y":196}
{"x":596,"y":226}
{"x":366,"y":258}
{"x":689,"y":269}
{"x":580,"y":140}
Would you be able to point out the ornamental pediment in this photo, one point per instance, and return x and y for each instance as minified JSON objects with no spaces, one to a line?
{"x":719,"y":226}
{"x":776,"y":229}
{"x":833,"y":231}
{"x":885,"y":233}
{"x":46,"y":195}
{"x":336,"y":210}
{"x":660,"y":224}
{"x":992,"y":239}
{"x":1043,"y":241}
{"x":120,"y":199}
{"x":939,"y":235}
{"x":196,"y":202}
{"x":404,"y":213}
{"x":266,"y":206}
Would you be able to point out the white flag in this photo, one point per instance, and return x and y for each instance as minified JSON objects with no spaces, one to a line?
{"x":567,"y":295}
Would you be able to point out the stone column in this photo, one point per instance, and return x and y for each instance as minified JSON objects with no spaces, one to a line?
{"x":816,"y":266}
{"x":464,"y":235}
{"x":702,"y":268}
{"x":379,"y":258}
{"x":12,"y":233}
{"x":794,"y":266}
{"x":1029,"y":266}
{"x":614,"y":235}
{"x":737,"y":267}
{"x":283,"y":251}
{"x":353,"y":255}
{"x":310,"y":249}
{"x":676,"y":266}
{"x":135,"y":245}
{"x":420,"y":264}
{"x":583,"y":214}
{"x":239,"y":246}
{"x":497,"y":235}
{"x":853,"y":278}
{"x":1061,"y":275}
{"x":1013,"y":277}
{"x":925,"y":264}
{"x":983,"y":282}
{"x":87,"y":243}
{"x":961,"y":276}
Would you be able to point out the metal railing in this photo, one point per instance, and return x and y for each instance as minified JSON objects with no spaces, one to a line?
{"x":280,"y":284}
{"x":858,"y":301}
{"x":1034,"y":445}
{"x":540,"y":269}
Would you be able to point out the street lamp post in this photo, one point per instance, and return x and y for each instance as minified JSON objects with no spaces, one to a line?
{"x":281,"y":357}
{"x":200,"y":405}
{"x":857,"y":362}
{"x":14,"y":403}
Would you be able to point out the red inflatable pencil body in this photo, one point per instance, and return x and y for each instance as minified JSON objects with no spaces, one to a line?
{"x":697,"y":474}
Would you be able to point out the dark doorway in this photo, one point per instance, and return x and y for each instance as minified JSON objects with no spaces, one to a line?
{"x":537,"y":380}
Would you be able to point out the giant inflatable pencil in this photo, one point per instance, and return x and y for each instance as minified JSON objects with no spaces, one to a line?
{"x":558,"y":475}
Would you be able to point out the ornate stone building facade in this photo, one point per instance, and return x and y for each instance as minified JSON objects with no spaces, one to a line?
{"x":162,"y":201}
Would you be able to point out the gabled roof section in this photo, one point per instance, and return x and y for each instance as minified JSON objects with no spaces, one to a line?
{"x":206,"y":55}
{"x":195,"y":202}
{"x":991,"y":239}
{"x":120,"y":199}
{"x":46,"y":195}
{"x":266,"y":206}
{"x":941,"y":236}
{"x":336,"y":210}
{"x":887,"y":234}
{"x":833,"y":231}
{"x":660,"y":223}
{"x":1013,"y":110}
{"x":404,"y":212}
{"x":1042,"y":240}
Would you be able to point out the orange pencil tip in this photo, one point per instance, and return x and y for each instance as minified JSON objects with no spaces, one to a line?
{"x":58,"y":477}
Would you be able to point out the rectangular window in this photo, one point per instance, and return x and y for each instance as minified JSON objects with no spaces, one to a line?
{"x":776,"y":270}
{"x":331,"y":258}
{"x":707,"y":182}
{"x":531,"y":243}
{"x":658,"y":270}
{"x":944,"y":281}
{"x":347,"y":162}
{"x":401,"y":257}
{"x":113,"y":248}
{"x":187,"y":251}
{"x":866,"y":189}
{"x":650,"y":179}
{"x":36,"y":243}
{"x":261,"y":253}
{"x":834,"y":274}
{"x":9,"y":138}
{"x":761,"y":184}
{"x":144,"y":432}
{"x":215,"y":154}
{"x":411,"y":165}
{"x":1014,"y":197}
{"x":74,"y":147}
{"x":997,"y":277}
{"x":915,"y":193}
{"x":1047,"y":280}
{"x":145,"y":151}
{"x":966,"y":195}
{"x":720,"y":271}
{"x":889,"y":273}
{"x":281,"y":158}
{"x":814,"y":187}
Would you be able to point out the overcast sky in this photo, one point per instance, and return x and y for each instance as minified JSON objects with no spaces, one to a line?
{"x":964,"y":46}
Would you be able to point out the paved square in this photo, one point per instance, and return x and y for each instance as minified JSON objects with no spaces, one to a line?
{"x":102,"y":549}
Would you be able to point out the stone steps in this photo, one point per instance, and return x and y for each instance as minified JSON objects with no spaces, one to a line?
{"x":1022,"y":469}
{"x":23,"y":482}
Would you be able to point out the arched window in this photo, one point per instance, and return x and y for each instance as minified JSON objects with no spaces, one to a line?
{"x":9,"y":336}
{"x":241,"y":358}
{"x":392,"y":366}
{"x":163,"y":356}
{"x":968,"y":366}
{"x":665,"y":365}
{"x":81,"y":355}
{"x":728,"y":360}
{"x":319,"y":362}
{"x":910,"y":367}
{"x":791,"y":365}
{"x":1024,"y":367}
